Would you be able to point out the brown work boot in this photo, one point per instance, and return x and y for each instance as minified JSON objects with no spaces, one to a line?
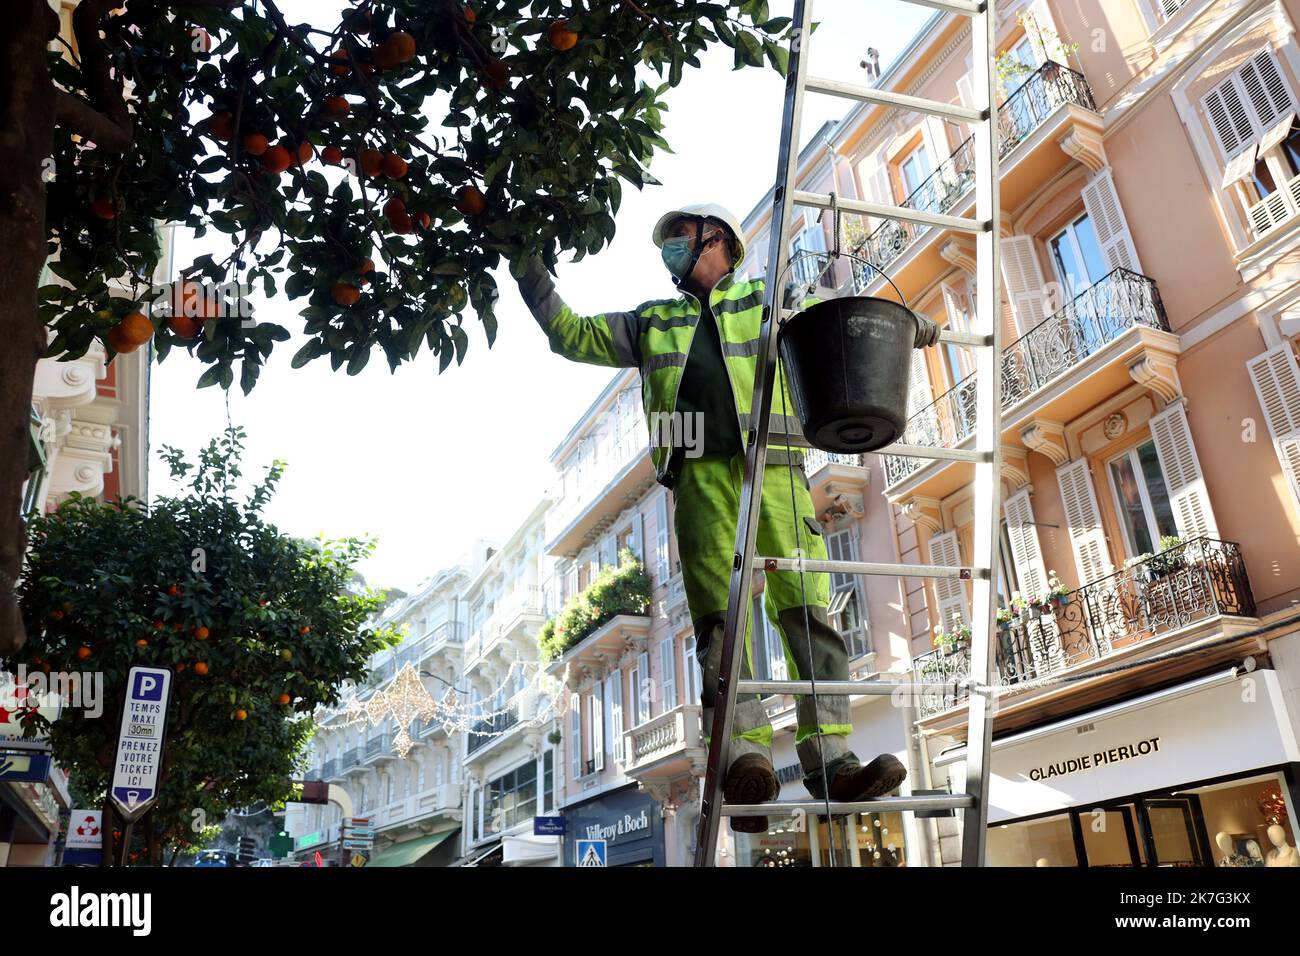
{"x":855,"y":783}
{"x":750,"y":779}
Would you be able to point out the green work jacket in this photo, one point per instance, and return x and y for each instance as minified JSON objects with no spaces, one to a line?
{"x":655,"y":337}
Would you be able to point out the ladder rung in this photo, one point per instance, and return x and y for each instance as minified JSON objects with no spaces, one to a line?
{"x":868,"y":567}
{"x":973,"y":339}
{"x":967,"y":8}
{"x":834,"y":688}
{"x":919,"y":104}
{"x":930,"y":451}
{"x":954,"y":801}
{"x":900,"y":213}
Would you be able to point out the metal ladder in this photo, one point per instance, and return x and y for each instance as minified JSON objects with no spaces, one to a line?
{"x":984,"y":340}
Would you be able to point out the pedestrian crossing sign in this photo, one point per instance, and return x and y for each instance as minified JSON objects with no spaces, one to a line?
{"x":591,"y":853}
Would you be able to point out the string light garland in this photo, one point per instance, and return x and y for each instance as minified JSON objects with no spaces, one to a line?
{"x":406,"y":698}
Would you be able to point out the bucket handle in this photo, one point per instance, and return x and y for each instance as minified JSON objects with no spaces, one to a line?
{"x":848,"y":255}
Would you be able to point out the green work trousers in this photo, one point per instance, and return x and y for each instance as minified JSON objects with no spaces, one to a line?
{"x":707,"y":504}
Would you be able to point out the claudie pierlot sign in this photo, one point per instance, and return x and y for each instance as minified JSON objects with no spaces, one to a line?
{"x":1100,"y":758}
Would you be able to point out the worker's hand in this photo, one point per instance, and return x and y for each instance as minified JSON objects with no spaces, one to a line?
{"x":927,"y":331}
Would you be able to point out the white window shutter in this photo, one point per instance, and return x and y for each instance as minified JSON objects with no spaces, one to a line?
{"x":965,"y":91}
{"x":1276,"y":377}
{"x":643,"y":688}
{"x":1083,"y":516}
{"x":575,"y":747}
{"x":1187,"y":491}
{"x":1026,"y":553}
{"x":1102,"y":202}
{"x":1230,"y":117}
{"x":668,"y":668}
{"x":918,"y":384}
{"x":1269,"y":92}
{"x":1024,"y":281}
{"x":661,"y":538}
{"x":950,"y":592}
{"x":615,"y":684}
{"x":597,"y":728}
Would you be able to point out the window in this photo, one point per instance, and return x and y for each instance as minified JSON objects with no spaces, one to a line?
{"x":548,"y":781}
{"x":847,"y":612}
{"x":694,"y":677}
{"x":511,"y":798}
{"x":1008,"y":582}
{"x":811,"y":239}
{"x":914,"y":170}
{"x":1142,"y":499}
{"x":1076,"y":256}
{"x":661,"y":539}
{"x":575,"y":736}
{"x":960,"y":308}
{"x":769,"y":650}
{"x":1016,"y":63}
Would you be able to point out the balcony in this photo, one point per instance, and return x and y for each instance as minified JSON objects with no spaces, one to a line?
{"x":1032,"y":122}
{"x":1121,"y":615}
{"x":1123,"y":300}
{"x":350,"y":762}
{"x":611,"y":640}
{"x":490,"y":729}
{"x":619,"y":472}
{"x":330,"y":770}
{"x":667,"y":746}
{"x":378,"y":748}
{"x":417,"y":807}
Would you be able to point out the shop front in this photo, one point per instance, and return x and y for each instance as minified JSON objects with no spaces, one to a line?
{"x":1201,"y":774}
{"x":629,"y":821}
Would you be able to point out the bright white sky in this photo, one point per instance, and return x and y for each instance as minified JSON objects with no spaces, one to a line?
{"x":428,"y":462}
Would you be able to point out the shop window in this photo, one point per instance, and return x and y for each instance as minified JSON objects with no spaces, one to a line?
{"x":1142,"y":499}
{"x":876,"y":839}
{"x":1047,"y":841}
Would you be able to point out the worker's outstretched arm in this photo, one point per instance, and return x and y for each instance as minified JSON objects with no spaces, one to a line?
{"x":610,"y":338}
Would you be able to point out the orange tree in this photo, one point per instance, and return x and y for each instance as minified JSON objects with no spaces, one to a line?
{"x":375,"y":168}
{"x":258,"y":628}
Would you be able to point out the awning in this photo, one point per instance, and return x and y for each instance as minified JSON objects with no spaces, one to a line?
{"x":409,"y":851}
{"x":529,"y":848}
{"x":483,"y":856}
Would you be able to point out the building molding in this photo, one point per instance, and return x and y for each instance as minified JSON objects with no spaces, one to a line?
{"x":1047,"y":438}
{"x":1015,"y":467}
{"x":1084,"y":145}
{"x":924,"y":510}
{"x":1158,"y":374}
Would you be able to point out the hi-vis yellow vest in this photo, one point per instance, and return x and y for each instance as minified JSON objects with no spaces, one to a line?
{"x":655,"y":337}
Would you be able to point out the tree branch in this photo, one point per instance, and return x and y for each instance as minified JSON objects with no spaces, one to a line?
{"x":84,"y":119}
{"x":96,"y":66}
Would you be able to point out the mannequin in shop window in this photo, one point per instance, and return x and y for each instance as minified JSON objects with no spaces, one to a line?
{"x":1230,"y":855}
{"x":1282,"y":854}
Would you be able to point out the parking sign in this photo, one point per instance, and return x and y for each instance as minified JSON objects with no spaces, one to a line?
{"x":140,"y":741}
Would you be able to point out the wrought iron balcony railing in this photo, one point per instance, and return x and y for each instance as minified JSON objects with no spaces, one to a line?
{"x":379,"y":744}
{"x":485,"y":731}
{"x":1197,"y":580}
{"x":1120,"y":301}
{"x":351,"y":757}
{"x":329,"y":769}
{"x":1043,"y":92}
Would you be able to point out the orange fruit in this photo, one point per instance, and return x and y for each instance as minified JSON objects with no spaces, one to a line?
{"x":403,"y":46}
{"x":497,"y":74}
{"x":120,"y":341}
{"x":56,"y":614}
{"x":305,"y":152}
{"x":283,"y":699}
{"x":560,"y":36}
{"x":337,"y":106}
{"x":470,"y":201}
{"x":344,"y":294}
{"x":189,"y":299}
{"x":394,"y":166}
{"x":136,"y":327}
{"x":185,"y":326}
{"x":201,"y":633}
{"x":368,"y":266}
{"x":385,"y":57}
{"x":372,"y":161}
{"x":241,"y":714}
{"x":104,"y":208}
{"x":255,"y":144}
{"x":83,"y":652}
{"x":158,"y":625}
{"x":423,"y":219}
{"x":276,"y":159}
{"x":340,"y":62}
{"x":141,"y":643}
{"x":332,"y":155}
{"x":200,"y":668}
{"x":304,"y":629}
{"x":180,"y":666}
{"x":470,"y":16}
{"x":174,"y":590}
{"x":221,"y":125}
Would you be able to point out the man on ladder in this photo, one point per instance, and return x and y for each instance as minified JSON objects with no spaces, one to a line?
{"x":707,"y":380}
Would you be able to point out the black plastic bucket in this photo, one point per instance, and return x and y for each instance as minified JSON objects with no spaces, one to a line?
{"x":848,"y":362}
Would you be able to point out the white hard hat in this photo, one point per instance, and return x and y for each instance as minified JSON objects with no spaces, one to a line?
{"x":708,"y":210}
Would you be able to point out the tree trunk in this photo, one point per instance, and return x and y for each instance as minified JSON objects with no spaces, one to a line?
{"x":26,"y":141}
{"x":106,"y":819}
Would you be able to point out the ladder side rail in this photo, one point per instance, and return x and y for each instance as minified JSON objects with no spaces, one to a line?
{"x":987,"y":437}
{"x":733,"y":642}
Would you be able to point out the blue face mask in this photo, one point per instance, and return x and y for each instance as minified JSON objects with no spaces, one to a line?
{"x":676,"y":254}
